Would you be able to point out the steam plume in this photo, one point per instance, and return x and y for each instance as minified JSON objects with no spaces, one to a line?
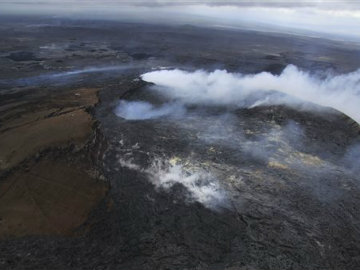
{"x":293,"y":87}
{"x":140,"y":110}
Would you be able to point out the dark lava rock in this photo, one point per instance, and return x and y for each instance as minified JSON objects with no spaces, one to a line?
{"x":140,"y":56}
{"x":275,"y":68}
{"x":291,"y":204}
{"x":23,"y":56}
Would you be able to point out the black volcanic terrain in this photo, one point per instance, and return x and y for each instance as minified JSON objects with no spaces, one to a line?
{"x":99,"y":169}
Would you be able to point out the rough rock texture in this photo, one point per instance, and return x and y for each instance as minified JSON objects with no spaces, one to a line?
{"x":290,"y":200}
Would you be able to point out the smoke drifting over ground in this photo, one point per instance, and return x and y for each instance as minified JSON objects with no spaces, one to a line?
{"x":292,"y":87}
{"x":67,"y":77}
{"x":204,"y":106}
{"x":202,"y":186}
{"x":269,"y":146}
{"x":140,"y":110}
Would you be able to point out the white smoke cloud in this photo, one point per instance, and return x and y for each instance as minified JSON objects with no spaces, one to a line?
{"x":201,"y":185}
{"x":140,"y":110}
{"x":341,"y":92}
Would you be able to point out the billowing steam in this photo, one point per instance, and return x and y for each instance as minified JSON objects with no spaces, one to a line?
{"x":292,"y":87}
{"x":201,"y":185}
{"x":140,"y":110}
{"x":217,"y":128}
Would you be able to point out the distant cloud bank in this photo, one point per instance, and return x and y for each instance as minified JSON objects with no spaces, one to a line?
{"x":333,"y":19}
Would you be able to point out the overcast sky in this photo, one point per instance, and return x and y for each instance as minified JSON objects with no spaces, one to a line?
{"x":333,"y":19}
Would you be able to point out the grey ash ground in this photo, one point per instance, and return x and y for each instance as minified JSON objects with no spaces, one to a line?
{"x":282,"y":195}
